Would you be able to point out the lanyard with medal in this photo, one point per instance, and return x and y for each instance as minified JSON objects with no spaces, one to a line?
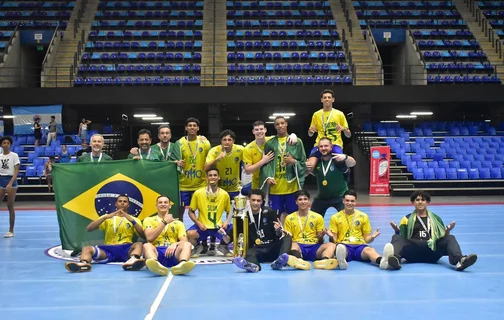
{"x":193,"y":153}
{"x":116,"y":227}
{"x":426,"y":228}
{"x":99,"y":158}
{"x":148,"y":154}
{"x":257,"y":226}
{"x":303,"y":226}
{"x":282,"y":150}
{"x":325,"y":171}
{"x":165,"y":235}
{"x":168,"y":153}
{"x":350,"y":226}
{"x":324,"y":125}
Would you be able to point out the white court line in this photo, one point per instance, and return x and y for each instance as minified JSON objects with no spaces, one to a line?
{"x":157,"y":301}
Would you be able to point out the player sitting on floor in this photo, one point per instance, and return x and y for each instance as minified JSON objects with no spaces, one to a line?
{"x":168,"y":246}
{"x":119,"y":228}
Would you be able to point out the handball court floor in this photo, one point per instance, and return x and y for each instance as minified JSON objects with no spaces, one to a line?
{"x":36,"y":286}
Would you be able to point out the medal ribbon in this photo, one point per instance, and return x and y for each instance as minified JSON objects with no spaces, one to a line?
{"x":116,"y":228}
{"x":324,"y":125}
{"x":148,"y":154}
{"x":303,"y":226}
{"x":168,"y":153}
{"x":258,"y":225}
{"x":325,"y":170}
{"x":426,"y":228}
{"x":99,"y":158}
{"x":193,"y":153}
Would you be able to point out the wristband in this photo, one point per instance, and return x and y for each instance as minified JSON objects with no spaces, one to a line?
{"x":166,"y":223}
{"x":346,"y":156}
{"x":133,"y":222}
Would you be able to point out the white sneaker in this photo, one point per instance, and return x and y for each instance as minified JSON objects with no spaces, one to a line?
{"x":388,"y":251}
{"x":341,"y":255}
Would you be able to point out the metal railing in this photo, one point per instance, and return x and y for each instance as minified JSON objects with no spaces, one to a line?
{"x":373,"y":47}
{"x":6,"y":49}
{"x":52,"y":44}
{"x":485,"y":26}
{"x":22,"y":77}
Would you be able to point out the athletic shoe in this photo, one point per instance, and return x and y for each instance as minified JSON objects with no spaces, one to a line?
{"x":183,"y":268}
{"x":133,"y":264}
{"x":245,"y":265}
{"x":196,"y":251}
{"x":223,"y":248}
{"x":280,"y":262}
{"x":466,"y":262}
{"x":388,"y":251}
{"x":78,"y":266}
{"x":155,"y":267}
{"x":9,"y":235}
{"x":298,"y":263}
{"x":326,"y":264}
{"x":341,"y":255}
{"x":211,"y":251}
{"x":394,"y":263}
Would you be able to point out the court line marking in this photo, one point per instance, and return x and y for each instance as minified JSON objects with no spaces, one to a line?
{"x":157,"y":301}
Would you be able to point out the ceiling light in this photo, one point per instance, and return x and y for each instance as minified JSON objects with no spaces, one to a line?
{"x":389,"y":121}
{"x":488,"y":120}
{"x":421,"y":113}
{"x":8,"y":117}
{"x":144,"y":115}
{"x":270,"y":122}
{"x":152,"y":118}
{"x":160,"y":123}
{"x":284,"y":114}
{"x":405,"y":116}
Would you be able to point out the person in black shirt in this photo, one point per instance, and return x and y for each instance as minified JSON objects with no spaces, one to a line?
{"x":422,"y":237}
{"x":267,"y":241}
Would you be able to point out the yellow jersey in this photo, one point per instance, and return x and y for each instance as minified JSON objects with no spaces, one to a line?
{"x":350,"y":229}
{"x":282,"y":186}
{"x":326,"y":122}
{"x":229,"y":167}
{"x":252,"y":154}
{"x":194,"y":153}
{"x":171,"y":233}
{"x":304,"y":230}
{"x":211,"y":206}
{"x":124,"y":232}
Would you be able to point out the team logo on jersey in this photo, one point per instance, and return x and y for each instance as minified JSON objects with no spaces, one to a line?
{"x":104,"y":194}
{"x":312,"y":225}
{"x":200,"y":149}
{"x":332,"y":168}
{"x":236,"y":159}
{"x":357,"y":223}
{"x":128,"y":225}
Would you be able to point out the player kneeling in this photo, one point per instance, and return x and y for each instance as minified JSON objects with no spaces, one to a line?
{"x":119,"y":228}
{"x":168,"y":246}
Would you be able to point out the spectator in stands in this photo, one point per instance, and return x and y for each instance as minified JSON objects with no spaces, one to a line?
{"x":37,"y":131}
{"x":83,"y":129}
{"x":48,"y":173}
{"x":9,"y":170}
{"x":96,"y":153}
{"x":53,"y":129}
{"x":85,"y":149}
{"x":423,"y":237}
{"x":64,"y":156}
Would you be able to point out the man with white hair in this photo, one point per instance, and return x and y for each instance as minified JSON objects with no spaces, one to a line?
{"x":96,"y":154}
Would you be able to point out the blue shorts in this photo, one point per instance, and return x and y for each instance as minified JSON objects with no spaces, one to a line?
{"x":309,"y":251}
{"x":203,"y":235}
{"x":315,"y":153}
{"x":355,"y":251}
{"x":4,"y":181}
{"x":233,"y":194}
{"x":114,"y":252}
{"x":164,"y":260}
{"x":185,"y":198}
{"x":283,"y":203}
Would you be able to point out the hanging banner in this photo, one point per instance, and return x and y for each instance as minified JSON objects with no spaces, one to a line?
{"x":379,"y":174}
{"x":24,"y":117}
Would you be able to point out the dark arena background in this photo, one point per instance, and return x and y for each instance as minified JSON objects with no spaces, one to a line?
{"x":423,"y":77}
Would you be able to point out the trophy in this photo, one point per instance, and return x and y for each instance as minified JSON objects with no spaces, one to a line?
{"x":240,"y":241}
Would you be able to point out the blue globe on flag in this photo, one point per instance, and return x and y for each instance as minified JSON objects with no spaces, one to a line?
{"x":106,"y":198}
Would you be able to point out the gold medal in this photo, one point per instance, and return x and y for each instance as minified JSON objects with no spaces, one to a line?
{"x":258,"y":241}
{"x":324,"y":183}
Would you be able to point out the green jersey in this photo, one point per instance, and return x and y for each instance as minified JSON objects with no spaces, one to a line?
{"x":86,"y":157}
{"x":171,"y":153}
{"x":151,"y":154}
{"x":333,"y":184}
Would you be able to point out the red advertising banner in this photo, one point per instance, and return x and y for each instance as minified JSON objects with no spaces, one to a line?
{"x":379,"y":174}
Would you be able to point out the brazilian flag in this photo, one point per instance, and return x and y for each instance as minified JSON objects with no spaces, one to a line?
{"x":85,"y":191}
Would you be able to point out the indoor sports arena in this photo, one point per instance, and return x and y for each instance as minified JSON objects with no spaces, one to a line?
{"x":292,"y":155}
